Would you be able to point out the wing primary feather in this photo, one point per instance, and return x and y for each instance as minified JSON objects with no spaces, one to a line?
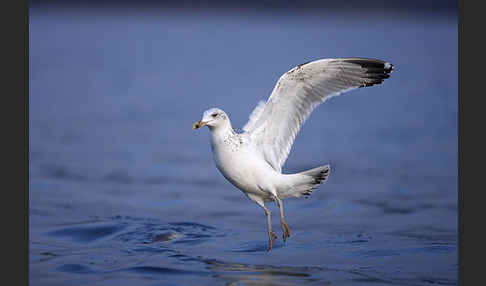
{"x":274,"y":125}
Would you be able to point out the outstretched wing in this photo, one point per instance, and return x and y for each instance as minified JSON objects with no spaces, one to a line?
{"x":273,"y":125}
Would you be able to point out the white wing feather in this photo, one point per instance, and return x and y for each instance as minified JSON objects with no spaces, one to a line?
{"x":254,"y":116}
{"x":273,"y":125}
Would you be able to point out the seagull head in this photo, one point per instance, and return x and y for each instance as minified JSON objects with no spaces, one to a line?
{"x":213,"y":118}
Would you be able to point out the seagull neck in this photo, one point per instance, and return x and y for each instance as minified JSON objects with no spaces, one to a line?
{"x":222,"y":131}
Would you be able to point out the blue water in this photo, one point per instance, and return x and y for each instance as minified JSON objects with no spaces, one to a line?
{"x":124,"y":192}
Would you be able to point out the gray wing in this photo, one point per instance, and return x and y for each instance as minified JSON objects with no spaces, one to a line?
{"x":273,"y":125}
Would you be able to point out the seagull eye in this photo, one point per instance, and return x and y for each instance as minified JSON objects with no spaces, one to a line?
{"x":214,"y":114}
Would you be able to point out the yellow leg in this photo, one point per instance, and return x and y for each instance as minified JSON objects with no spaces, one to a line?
{"x":285,"y":227}
{"x":271,"y":235}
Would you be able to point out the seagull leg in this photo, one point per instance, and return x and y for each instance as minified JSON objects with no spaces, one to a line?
{"x":285,"y":227}
{"x":271,"y":235}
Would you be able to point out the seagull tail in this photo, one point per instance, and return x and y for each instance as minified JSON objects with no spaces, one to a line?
{"x":304,"y":183}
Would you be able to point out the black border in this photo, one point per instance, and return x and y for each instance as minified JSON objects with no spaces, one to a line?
{"x":15,"y":174}
{"x":27,"y":142}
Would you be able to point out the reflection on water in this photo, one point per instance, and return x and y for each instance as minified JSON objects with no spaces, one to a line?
{"x":123,"y":192}
{"x":153,"y":249}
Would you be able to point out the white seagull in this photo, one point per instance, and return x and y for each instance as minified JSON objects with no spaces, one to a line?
{"x":252,"y":161}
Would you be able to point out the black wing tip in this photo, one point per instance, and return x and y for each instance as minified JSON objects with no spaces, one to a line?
{"x":371,"y":63}
{"x":376,"y":70}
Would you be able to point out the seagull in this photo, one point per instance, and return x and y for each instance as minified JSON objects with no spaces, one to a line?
{"x":252,"y":160}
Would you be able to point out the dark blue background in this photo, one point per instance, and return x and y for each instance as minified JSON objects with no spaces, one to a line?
{"x":123,"y":191}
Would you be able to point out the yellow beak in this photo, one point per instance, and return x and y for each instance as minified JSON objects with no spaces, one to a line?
{"x":199,"y":124}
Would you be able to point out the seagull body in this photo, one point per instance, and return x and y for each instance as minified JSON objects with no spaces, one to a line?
{"x":252,"y":161}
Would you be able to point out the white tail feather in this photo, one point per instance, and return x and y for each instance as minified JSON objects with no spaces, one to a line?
{"x":304,"y":183}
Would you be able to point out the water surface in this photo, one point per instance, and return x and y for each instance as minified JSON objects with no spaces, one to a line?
{"x":123,"y":191}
